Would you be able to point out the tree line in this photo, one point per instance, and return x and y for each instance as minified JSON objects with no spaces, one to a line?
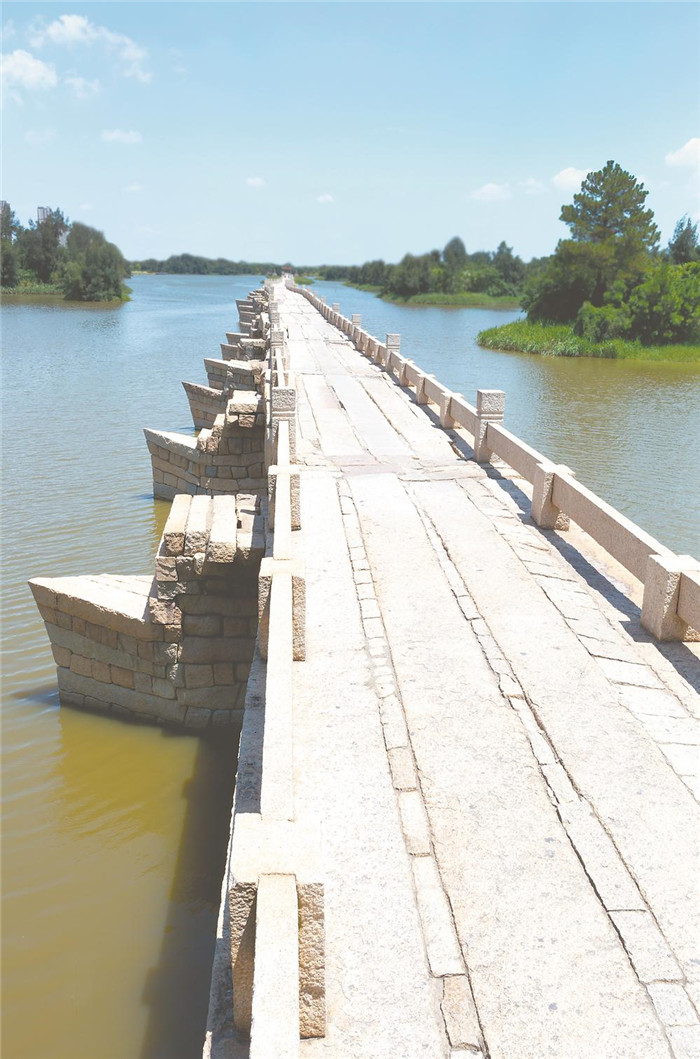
{"x":193,"y":265}
{"x":70,"y":258}
{"x":450,"y":271}
{"x":608,"y":279}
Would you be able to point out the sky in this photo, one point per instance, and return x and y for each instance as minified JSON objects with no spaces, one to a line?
{"x":342,"y":132}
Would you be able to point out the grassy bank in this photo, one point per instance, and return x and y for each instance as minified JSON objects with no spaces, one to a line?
{"x":303,"y":281}
{"x":467,"y":299}
{"x":52,"y":291}
{"x":46,"y":290}
{"x":558,"y":340}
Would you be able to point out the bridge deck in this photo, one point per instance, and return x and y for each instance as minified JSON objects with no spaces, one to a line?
{"x":501,"y":765}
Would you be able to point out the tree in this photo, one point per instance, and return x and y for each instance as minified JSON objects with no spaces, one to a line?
{"x":8,"y":264}
{"x":666,"y":308}
{"x":610,"y":206}
{"x":410,"y":276}
{"x":39,"y":246}
{"x":683,"y":246}
{"x":510,"y":267}
{"x":95,"y":268}
{"x":455,"y":254}
{"x":612,"y":239}
{"x":570,"y":278}
{"x":9,"y":225}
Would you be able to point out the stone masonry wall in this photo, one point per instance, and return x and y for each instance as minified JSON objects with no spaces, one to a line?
{"x":177,"y":648}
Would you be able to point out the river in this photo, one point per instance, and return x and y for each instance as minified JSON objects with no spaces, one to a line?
{"x":114,"y":834}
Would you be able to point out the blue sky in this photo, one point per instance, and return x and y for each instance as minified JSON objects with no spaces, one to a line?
{"x":340,"y":132}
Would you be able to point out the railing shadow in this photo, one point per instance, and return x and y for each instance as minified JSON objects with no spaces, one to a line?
{"x":676,"y":654}
{"x":176,"y":991}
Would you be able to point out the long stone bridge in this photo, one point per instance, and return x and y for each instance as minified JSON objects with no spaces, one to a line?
{"x":466,"y":809}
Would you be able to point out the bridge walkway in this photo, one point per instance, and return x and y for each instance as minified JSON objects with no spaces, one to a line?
{"x":501,"y":766}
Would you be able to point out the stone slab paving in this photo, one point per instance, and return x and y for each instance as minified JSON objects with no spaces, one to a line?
{"x":514,"y":763}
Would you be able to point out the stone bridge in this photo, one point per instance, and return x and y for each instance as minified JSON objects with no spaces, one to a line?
{"x":466,"y":809}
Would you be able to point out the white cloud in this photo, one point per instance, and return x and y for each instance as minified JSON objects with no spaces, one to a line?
{"x":82,"y":87}
{"x":37,"y":137}
{"x":133,"y":188}
{"x":569,"y":179}
{"x":69,"y":30}
{"x":255,"y":182}
{"x":121,"y":136}
{"x":22,"y":70}
{"x":8,"y":30}
{"x":325,"y":198}
{"x":687,"y":155}
{"x":492,"y":193}
{"x":85,"y":207}
{"x":532,"y":186}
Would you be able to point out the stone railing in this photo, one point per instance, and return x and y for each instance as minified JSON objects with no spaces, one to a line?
{"x":272,"y":922}
{"x":671,"y":600}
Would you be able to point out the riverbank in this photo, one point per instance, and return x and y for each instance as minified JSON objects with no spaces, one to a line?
{"x":558,"y":340}
{"x":463,"y":300}
{"x":53,"y":293}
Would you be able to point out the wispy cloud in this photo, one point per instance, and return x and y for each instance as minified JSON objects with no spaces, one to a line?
{"x":325,"y":198}
{"x":255,"y":182}
{"x":37,"y":137}
{"x":85,"y":207}
{"x":121,"y":136}
{"x":687,"y":155}
{"x":71,"y":30}
{"x":21,"y":70}
{"x":133,"y":188}
{"x":531,"y":186}
{"x":83,"y":88}
{"x":492,"y":193}
{"x":569,"y":179}
{"x":177,"y":57}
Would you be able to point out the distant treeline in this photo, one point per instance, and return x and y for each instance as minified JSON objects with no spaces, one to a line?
{"x":54,"y":256}
{"x":452,"y":271}
{"x":193,"y":265}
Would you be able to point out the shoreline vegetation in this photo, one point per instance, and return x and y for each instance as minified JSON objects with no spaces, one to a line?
{"x":607,"y":291}
{"x":463,"y":300}
{"x":53,"y":292}
{"x":559,"y":340}
{"x":52,"y":258}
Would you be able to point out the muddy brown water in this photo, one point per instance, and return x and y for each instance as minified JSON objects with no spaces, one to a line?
{"x":113,"y":835}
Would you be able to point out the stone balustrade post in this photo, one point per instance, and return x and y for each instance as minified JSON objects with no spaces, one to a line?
{"x":393,"y":345}
{"x":544,"y":512}
{"x":446,"y":420}
{"x":401,"y":378}
{"x":662,"y":581}
{"x":490,"y":406}
{"x":283,"y":405}
{"x":336,"y":307}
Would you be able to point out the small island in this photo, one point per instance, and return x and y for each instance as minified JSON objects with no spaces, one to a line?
{"x":608,"y":291}
{"x":52,"y":257}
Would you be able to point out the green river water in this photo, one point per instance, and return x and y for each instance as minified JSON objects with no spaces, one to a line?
{"x":113,"y":835}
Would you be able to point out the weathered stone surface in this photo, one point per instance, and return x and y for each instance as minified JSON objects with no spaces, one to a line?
{"x":460,"y":1015}
{"x":312,"y":960}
